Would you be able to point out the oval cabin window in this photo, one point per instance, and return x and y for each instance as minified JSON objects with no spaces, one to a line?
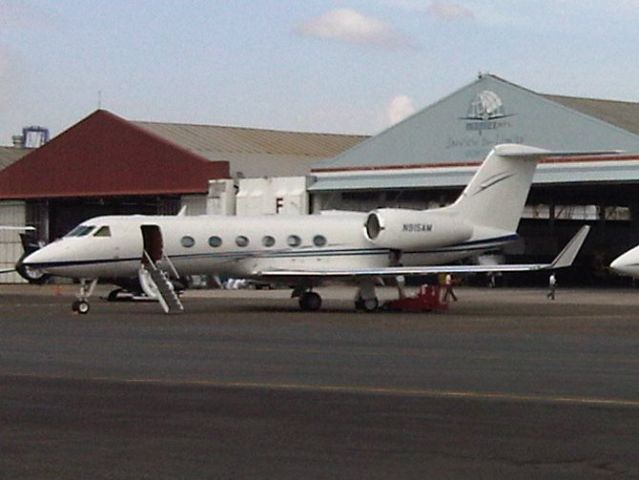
{"x":268,"y":241}
{"x":294,"y":241}
{"x":215,"y":241}
{"x":319,"y":240}
{"x":242,"y":241}
{"x":187,"y":241}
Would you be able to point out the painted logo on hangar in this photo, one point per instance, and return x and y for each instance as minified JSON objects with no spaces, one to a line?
{"x":486,"y":112}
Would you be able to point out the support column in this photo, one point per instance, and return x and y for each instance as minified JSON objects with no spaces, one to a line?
{"x":634,"y":223}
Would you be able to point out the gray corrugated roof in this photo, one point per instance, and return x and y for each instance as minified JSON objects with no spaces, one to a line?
{"x":213,"y":142}
{"x":621,"y":114}
{"x":557,"y":173}
{"x":9,"y":155}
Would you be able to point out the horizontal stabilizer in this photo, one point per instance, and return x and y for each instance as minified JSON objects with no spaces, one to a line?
{"x":523,"y":151}
{"x":25,"y":228}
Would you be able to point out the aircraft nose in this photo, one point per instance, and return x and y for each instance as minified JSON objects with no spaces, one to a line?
{"x":40,"y":259}
{"x":28,"y":268}
{"x":627,"y":263}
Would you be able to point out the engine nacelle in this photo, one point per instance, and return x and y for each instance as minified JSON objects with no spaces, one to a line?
{"x":402,"y":229}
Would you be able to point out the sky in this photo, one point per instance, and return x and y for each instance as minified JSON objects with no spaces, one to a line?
{"x":353,"y":67}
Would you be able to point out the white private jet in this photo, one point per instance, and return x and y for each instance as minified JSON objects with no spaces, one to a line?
{"x":627,"y":263}
{"x":307,"y":251}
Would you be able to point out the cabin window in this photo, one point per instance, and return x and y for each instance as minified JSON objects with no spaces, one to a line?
{"x":103,"y":232}
{"x":294,"y":241}
{"x":319,"y":240}
{"x":81,"y":231}
{"x":241,"y":241}
{"x":187,"y":241}
{"x":268,"y":241}
{"x":215,"y":241}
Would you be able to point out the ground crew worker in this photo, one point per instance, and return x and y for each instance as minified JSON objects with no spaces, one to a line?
{"x":552,"y":286}
{"x":448,"y":287}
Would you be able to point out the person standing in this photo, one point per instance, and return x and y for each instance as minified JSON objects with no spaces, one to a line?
{"x":448,"y":288}
{"x":552,"y":286}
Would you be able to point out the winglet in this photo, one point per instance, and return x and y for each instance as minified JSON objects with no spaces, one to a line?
{"x":570,"y":251}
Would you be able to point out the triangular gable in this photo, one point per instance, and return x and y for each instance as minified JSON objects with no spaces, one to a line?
{"x":105,"y":155}
{"x":465,"y":125}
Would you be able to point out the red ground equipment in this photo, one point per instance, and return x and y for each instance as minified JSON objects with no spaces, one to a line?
{"x":427,"y":299}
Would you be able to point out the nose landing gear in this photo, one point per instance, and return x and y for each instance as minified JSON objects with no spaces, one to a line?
{"x":81,"y":305}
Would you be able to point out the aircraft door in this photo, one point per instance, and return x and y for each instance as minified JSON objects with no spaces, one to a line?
{"x":153,"y":242}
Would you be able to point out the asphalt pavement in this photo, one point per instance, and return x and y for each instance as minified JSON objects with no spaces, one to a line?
{"x":506,"y":384}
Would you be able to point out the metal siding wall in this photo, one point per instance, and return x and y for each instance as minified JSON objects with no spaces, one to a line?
{"x":13,"y":214}
{"x":195,"y":204}
{"x":221,"y":197}
{"x":268,"y":196}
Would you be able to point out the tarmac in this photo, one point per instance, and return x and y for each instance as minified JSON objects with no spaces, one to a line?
{"x":505,"y":384}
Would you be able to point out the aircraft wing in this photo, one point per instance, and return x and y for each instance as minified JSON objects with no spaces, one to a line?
{"x":18,"y":228}
{"x":564,"y":259}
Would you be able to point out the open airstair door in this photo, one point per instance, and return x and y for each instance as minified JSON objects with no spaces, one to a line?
{"x":154,"y":281}
{"x":153,"y":243}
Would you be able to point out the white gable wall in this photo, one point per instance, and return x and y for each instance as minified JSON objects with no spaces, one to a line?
{"x":443,"y":133}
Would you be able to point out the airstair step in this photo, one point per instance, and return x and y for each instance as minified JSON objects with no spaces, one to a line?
{"x":166,"y":294}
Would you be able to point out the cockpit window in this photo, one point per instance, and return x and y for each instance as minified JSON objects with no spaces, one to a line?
{"x":81,"y":231}
{"x":104,"y":231}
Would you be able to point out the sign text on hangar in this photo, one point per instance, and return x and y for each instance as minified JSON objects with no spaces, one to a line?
{"x":484,"y":123}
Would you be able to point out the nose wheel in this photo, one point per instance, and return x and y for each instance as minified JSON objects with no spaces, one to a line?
{"x":81,"y":305}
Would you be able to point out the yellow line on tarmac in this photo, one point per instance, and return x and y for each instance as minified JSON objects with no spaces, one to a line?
{"x":359,"y":390}
{"x":405,"y":392}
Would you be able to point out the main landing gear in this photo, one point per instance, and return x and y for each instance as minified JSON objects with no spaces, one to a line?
{"x":365,"y":299}
{"x":81,"y":305}
{"x":309,"y":300}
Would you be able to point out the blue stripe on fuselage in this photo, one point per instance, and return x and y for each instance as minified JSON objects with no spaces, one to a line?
{"x":293,"y":253}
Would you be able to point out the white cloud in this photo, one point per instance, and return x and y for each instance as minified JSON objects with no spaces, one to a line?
{"x":399,"y":108}
{"x":348,"y":25}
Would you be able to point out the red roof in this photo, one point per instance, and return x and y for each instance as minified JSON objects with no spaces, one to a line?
{"x":105,"y":155}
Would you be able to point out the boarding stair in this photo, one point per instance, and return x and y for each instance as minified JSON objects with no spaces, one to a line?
{"x":158,"y":281}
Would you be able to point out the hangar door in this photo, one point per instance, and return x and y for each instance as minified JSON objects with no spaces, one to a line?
{"x":66,"y":214}
{"x":11,"y":214}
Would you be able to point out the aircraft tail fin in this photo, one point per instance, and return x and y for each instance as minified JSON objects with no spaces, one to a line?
{"x":496,"y":195}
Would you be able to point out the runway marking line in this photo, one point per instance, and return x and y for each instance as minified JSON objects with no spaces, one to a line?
{"x":365,"y":390}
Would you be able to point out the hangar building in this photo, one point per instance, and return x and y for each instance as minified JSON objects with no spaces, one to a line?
{"x":426,"y":160}
{"x":105,"y":165}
